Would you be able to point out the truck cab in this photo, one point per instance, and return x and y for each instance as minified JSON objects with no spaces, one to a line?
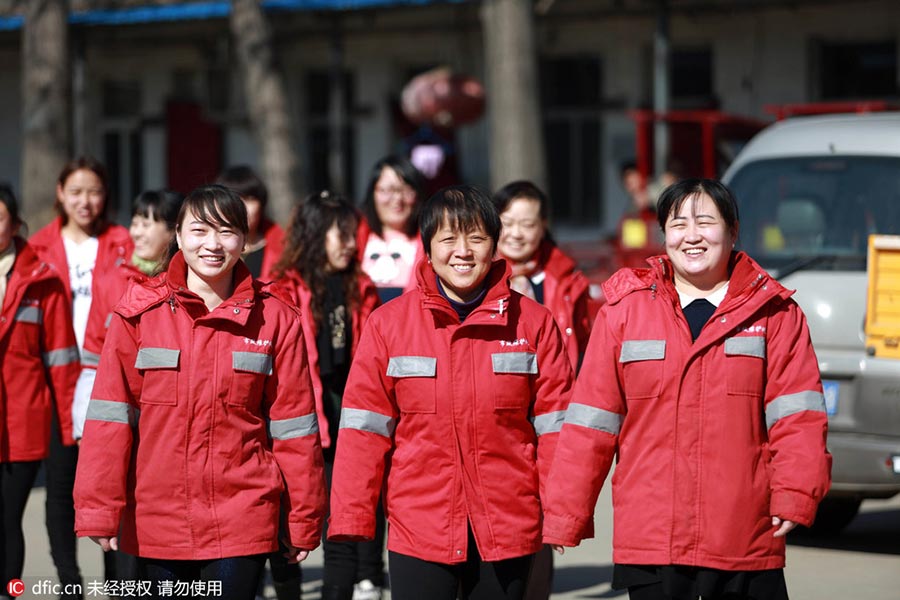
{"x":811,"y":190}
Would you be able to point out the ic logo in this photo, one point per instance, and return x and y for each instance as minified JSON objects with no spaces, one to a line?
{"x":15,"y":587}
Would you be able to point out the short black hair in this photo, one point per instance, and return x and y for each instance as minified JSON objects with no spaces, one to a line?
{"x":244,"y":180}
{"x":628,"y":165}
{"x":673,"y":197}
{"x":521,"y":189}
{"x":8,"y":199}
{"x":465,"y":207}
{"x":162,"y":206}
{"x":216,"y":206}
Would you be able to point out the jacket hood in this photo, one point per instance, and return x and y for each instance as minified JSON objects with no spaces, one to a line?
{"x":29,"y":265}
{"x":172,"y":283}
{"x":745,"y":276}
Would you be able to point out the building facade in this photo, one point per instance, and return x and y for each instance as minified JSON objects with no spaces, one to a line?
{"x":158,"y":97}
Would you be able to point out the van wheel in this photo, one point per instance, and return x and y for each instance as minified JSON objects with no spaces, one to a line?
{"x":834,"y":514}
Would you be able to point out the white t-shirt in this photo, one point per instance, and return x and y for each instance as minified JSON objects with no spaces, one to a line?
{"x":715,"y":298}
{"x":81,"y":259}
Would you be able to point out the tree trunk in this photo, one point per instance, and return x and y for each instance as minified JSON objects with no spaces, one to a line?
{"x":267,"y":106}
{"x":516,"y":131}
{"x":46,"y":123}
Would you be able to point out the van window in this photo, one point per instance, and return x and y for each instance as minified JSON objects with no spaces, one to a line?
{"x":816,"y":213}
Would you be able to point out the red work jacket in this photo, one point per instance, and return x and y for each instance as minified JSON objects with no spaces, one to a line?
{"x":566,"y":296}
{"x":201,"y":426}
{"x":103,"y":302}
{"x":114,"y":247}
{"x":292,"y":287}
{"x":458,"y":422}
{"x":39,"y":356}
{"x":274,"y":235}
{"x":713,"y":437}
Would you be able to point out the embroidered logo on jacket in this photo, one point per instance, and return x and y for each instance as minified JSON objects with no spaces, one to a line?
{"x":513,"y":343}
{"x":751,"y":329}
{"x":260,"y":343}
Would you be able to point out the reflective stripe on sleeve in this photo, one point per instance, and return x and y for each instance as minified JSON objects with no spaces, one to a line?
{"x":108,"y":320}
{"x":746,"y":346}
{"x":253,"y":362}
{"x":411,"y":366}
{"x":594,"y":418}
{"x":785,"y":406}
{"x":515,"y":362}
{"x":60,"y":357}
{"x":634,"y":350}
{"x":156,"y":358}
{"x":29,"y":314}
{"x":286,"y":429}
{"x":89,"y":359}
{"x":112,"y":412}
{"x":549,"y":423}
{"x":366,"y":420}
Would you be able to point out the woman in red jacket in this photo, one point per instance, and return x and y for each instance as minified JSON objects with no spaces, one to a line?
{"x":153,"y":217}
{"x":700,"y":378}
{"x":202,"y":423}
{"x":39,"y":367}
{"x":84,"y":247}
{"x":540,"y":270}
{"x":453,"y":406}
{"x":320,"y":273}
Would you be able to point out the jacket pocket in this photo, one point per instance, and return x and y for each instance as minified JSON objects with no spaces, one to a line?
{"x":160,"y":370}
{"x":642,"y":367}
{"x":415,"y":385}
{"x":250,"y":370}
{"x":745,"y":365}
{"x":512,"y":379}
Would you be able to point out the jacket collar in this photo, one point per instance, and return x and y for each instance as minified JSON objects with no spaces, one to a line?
{"x":554,"y":261}
{"x":171,"y":287}
{"x":496,"y":300}
{"x":747,"y":279}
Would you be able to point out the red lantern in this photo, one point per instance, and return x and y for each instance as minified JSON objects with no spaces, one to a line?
{"x":442,"y":98}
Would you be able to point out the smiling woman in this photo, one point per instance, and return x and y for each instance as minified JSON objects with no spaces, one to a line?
{"x":85,"y":248}
{"x":467,"y":377}
{"x":211,"y":232}
{"x":700,"y":378}
{"x":216,"y":366}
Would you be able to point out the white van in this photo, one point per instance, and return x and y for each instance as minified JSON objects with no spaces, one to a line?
{"x":810,"y":191}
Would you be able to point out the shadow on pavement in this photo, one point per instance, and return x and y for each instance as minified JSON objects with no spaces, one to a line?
{"x":581,"y":577}
{"x":875,"y":531}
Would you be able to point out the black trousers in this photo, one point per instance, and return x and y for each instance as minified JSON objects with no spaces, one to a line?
{"x":349,"y":562}
{"x":414,"y":578}
{"x":59,"y":468}
{"x":286,"y":577}
{"x":16,"y":479}
{"x":233,"y":578}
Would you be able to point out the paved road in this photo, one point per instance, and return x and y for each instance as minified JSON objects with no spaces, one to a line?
{"x":862,"y":563}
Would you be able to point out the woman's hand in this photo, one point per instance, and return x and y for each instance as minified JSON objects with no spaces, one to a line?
{"x":783,"y":526}
{"x":295,"y":555}
{"x":106,"y":543}
{"x":558,"y":549}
